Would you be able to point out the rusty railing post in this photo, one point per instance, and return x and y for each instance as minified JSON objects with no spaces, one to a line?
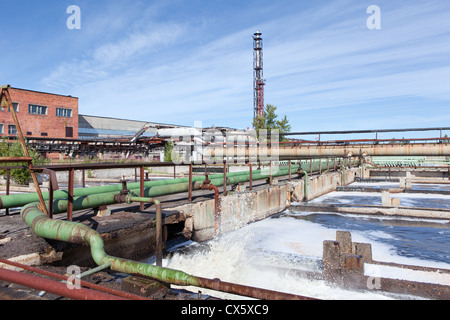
{"x":251,"y":176}
{"x":50,"y":200}
{"x":83,"y":179}
{"x":141,"y":194}
{"x":224,"y":179}
{"x":159,"y":241}
{"x":70,"y":195}
{"x":290,"y":178}
{"x":190,"y":184}
{"x":8,"y":185}
{"x":53,"y":186}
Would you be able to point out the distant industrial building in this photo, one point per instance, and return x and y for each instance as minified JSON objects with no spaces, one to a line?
{"x":54,"y":116}
{"x":53,"y":126}
{"x":94,"y":127}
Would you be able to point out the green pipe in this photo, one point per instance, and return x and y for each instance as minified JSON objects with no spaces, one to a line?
{"x":78,"y":233}
{"x":306,"y":186}
{"x":19,"y":200}
{"x":159,"y":191}
{"x":104,"y":199}
{"x":84,"y":202}
{"x":152,"y":188}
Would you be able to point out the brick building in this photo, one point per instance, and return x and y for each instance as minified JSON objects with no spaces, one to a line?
{"x":41,"y":115}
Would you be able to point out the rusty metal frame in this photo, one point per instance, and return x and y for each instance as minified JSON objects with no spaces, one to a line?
{"x":55,"y":287}
{"x":5,"y":96}
{"x":53,"y":186}
{"x":83,"y":283}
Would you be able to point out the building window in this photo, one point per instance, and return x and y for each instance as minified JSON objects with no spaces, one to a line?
{"x":1,"y":128}
{"x":35,"y":109}
{"x":12,"y":129}
{"x":66,"y":113}
{"x":15,"y":106}
{"x":44,"y":134}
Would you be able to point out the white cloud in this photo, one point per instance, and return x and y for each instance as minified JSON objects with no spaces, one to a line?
{"x":114,"y":56}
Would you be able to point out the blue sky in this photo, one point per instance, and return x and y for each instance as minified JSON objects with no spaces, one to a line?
{"x":181,"y":61}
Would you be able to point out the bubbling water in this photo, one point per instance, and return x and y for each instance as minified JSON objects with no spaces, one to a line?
{"x":267,"y":255}
{"x":277,"y":253}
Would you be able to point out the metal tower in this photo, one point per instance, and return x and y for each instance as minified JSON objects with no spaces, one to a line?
{"x":258,"y":78}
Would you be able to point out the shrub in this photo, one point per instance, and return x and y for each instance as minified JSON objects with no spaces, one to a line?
{"x":21,"y":176}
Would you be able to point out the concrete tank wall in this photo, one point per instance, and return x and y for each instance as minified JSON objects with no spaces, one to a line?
{"x":241,"y":208}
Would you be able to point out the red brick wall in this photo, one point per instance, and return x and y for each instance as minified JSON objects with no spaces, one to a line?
{"x":54,"y":126}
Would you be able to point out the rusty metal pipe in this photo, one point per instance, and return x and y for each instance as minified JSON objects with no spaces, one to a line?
{"x":83,"y":283}
{"x":248,"y":291}
{"x":208,"y":186}
{"x":323,"y":151}
{"x":55,"y":287}
{"x":15,"y":159}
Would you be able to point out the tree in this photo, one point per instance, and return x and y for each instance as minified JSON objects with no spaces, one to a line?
{"x":171,"y":155}
{"x":168,"y":147}
{"x":8,"y":150}
{"x":269,"y":122}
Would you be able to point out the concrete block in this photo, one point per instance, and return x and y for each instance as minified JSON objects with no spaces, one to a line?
{"x":331,"y":261}
{"x":331,"y":253}
{"x":395,"y":202}
{"x":385,"y":199}
{"x":408,"y":184}
{"x":352,"y":263}
{"x":364,"y":250}
{"x":352,"y":271}
{"x":345,"y":241}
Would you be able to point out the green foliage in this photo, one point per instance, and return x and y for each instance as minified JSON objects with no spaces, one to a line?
{"x":168,"y":147}
{"x":269,"y":122}
{"x":21,"y":176}
{"x":171,"y":154}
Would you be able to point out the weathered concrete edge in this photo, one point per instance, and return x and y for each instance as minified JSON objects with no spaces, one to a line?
{"x":241,"y":208}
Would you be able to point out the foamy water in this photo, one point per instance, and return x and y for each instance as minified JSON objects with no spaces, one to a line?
{"x":267,"y":254}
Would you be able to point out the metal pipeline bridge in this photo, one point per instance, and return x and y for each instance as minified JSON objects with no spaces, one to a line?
{"x":308,"y":149}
